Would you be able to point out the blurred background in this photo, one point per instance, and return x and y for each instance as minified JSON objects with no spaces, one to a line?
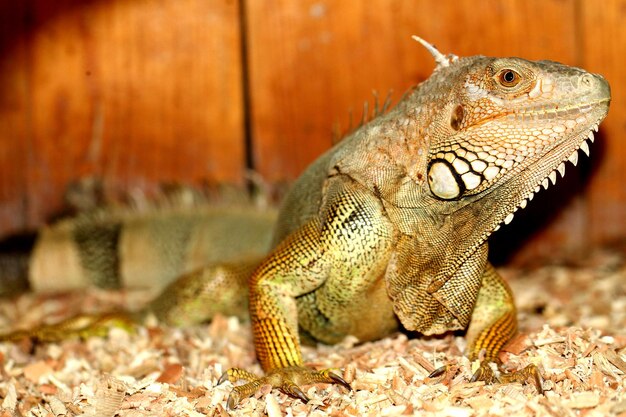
{"x":140,"y":93}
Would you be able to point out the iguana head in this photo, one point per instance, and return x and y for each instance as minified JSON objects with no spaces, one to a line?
{"x":480,"y":136}
{"x":506,"y":129}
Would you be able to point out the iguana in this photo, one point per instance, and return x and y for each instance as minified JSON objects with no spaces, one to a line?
{"x":388,"y":229}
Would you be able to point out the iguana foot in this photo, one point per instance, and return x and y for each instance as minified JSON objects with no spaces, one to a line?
{"x":80,"y":326}
{"x":287,"y":380}
{"x":529,"y":375}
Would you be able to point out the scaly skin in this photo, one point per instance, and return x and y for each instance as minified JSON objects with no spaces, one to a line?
{"x":389,"y":228}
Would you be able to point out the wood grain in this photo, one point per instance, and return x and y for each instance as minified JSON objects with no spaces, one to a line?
{"x":14,"y":116}
{"x":133,"y":92}
{"x":603,"y":39}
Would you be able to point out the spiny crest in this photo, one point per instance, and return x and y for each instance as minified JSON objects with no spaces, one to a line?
{"x":441,"y":59}
{"x":366,"y":116}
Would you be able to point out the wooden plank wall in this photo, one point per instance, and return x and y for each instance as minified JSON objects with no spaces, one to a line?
{"x":133,"y":92}
{"x":138,"y":92}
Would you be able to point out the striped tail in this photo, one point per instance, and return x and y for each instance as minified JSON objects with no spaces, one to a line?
{"x":135,"y":250}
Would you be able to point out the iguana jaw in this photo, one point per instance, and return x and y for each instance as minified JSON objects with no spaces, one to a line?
{"x":579,"y":142}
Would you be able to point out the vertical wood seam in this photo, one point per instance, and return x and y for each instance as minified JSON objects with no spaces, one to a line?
{"x":249,"y":162}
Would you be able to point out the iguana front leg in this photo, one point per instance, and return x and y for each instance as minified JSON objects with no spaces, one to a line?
{"x":338,"y":257}
{"x":494,"y":318}
{"x":295,"y":268}
{"x":493,"y":324}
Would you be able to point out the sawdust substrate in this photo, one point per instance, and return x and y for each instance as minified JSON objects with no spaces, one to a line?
{"x":572,"y":318}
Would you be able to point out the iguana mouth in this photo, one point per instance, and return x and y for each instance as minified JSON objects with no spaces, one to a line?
{"x":560,"y":112}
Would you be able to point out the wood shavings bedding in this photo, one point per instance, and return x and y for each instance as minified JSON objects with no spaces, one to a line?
{"x":572,"y":326}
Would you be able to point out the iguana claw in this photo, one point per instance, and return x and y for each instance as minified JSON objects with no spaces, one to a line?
{"x":484,"y":373}
{"x":439,"y":371}
{"x":288,"y":380}
{"x":529,"y":375}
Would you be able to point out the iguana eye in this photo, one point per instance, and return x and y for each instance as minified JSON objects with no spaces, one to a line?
{"x":509,"y":78}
